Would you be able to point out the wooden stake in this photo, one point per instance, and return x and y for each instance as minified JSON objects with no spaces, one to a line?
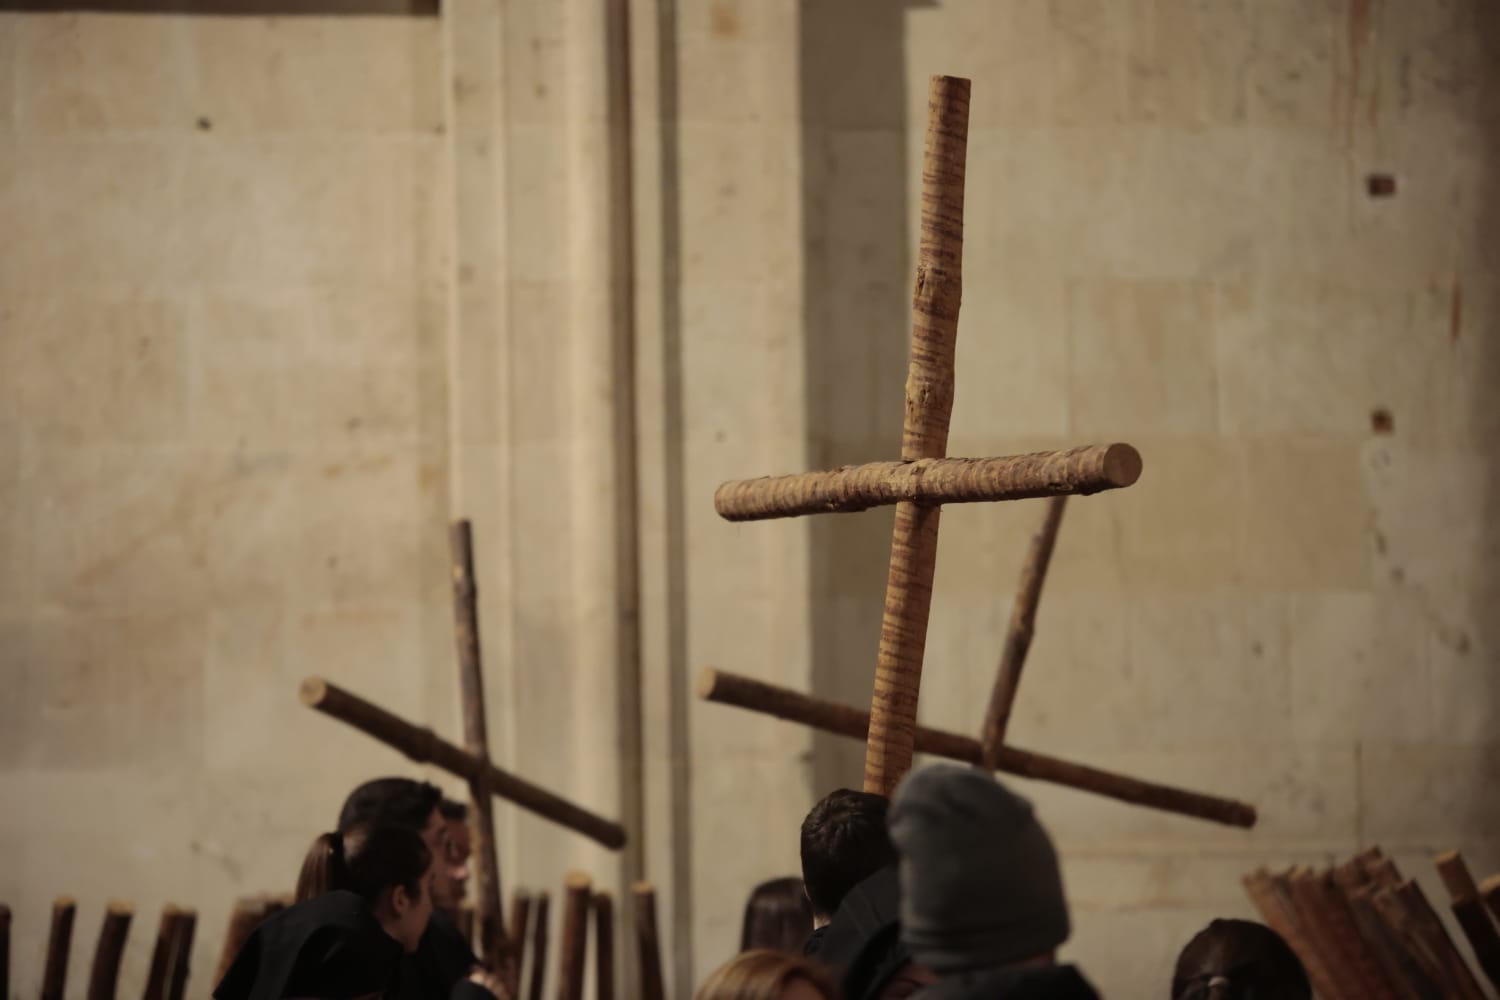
{"x":59,"y":942}
{"x":105,"y":972}
{"x":426,"y":747}
{"x":929,"y":404}
{"x":182,"y":952}
{"x":604,"y":946}
{"x":1272,"y":897}
{"x":843,"y":720}
{"x":1018,"y":636}
{"x":539,"y":947}
{"x":248,"y":913}
{"x":493,"y":945}
{"x":575,"y":935}
{"x":1322,"y":925}
{"x":4,"y":950}
{"x":1401,"y":972}
{"x":1407,"y":912}
{"x":1489,"y":891}
{"x":520,"y":917}
{"x":931,"y":482}
{"x":648,"y":942}
{"x":1469,"y":910}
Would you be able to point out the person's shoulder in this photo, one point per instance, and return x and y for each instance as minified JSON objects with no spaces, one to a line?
{"x":1053,"y":982}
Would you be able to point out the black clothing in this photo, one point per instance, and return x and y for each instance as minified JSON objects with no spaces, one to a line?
{"x":1052,"y":982}
{"x":442,"y":961}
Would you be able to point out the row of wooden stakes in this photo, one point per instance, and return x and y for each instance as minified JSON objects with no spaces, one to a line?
{"x":1365,"y":932}
{"x":527,"y":930}
{"x":166,"y":980}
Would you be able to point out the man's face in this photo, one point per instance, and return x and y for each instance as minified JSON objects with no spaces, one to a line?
{"x":459,"y":851}
{"x":435,"y":836}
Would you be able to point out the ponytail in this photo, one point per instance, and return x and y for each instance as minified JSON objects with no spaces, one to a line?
{"x":367,"y":860}
{"x":323,"y":869}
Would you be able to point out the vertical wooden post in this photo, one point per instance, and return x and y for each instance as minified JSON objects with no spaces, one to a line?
{"x":105,"y":972}
{"x":604,"y":946}
{"x":4,"y":951}
{"x":929,"y":405}
{"x":247,"y":914}
{"x":493,"y":945}
{"x":1469,"y":910}
{"x":1489,"y":891}
{"x":1018,"y":636}
{"x":520,"y":919}
{"x":539,"y":946}
{"x":59,"y":941}
{"x":182,"y":953}
{"x":575,"y":936}
{"x":648,"y":942}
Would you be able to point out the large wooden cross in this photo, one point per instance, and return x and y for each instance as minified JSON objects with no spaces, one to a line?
{"x":470,"y":762}
{"x":919,"y":484}
{"x":924,"y":478}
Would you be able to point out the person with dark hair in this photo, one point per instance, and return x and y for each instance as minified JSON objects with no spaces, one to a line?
{"x":766,"y":975}
{"x":777,"y":917}
{"x":386,"y":866}
{"x":443,"y":959}
{"x":460,"y":848}
{"x":1239,"y":960}
{"x":844,"y":842}
{"x":982,"y":901}
{"x":331,"y":947}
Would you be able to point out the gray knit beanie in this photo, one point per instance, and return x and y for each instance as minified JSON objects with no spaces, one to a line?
{"x":979,"y":881}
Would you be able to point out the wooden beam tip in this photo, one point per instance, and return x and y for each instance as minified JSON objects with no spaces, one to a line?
{"x":1122,"y":464}
{"x":578,"y":882}
{"x":64,"y":903}
{"x":708,"y":681}
{"x":312,"y":691}
{"x":604,"y":898}
{"x":119,"y":907}
{"x":643,"y":889}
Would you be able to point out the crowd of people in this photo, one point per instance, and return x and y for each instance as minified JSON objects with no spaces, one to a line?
{"x":948,"y":891}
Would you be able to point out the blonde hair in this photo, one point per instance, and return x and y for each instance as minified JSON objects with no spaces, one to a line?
{"x":763,"y":975}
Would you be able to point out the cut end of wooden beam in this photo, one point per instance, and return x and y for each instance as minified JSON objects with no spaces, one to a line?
{"x":1490,"y":886}
{"x":603,"y":898}
{"x":312,"y":691}
{"x":1456,"y":877}
{"x":119,"y":908}
{"x":708,"y":681}
{"x":578,"y":882}
{"x":64,"y":903}
{"x":643,"y":889}
{"x":1122,"y":464}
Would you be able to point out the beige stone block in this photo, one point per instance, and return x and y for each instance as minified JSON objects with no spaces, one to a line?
{"x":1009,"y":211}
{"x":1360,"y":668}
{"x":369,"y":74}
{"x":71,"y":70}
{"x":99,"y":369}
{"x":1305,"y":515}
{"x":536,"y":206}
{"x":856,"y":372}
{"x":848,"y":78}
{"x":536,"y":61}
{"x":9,"y":26}
{"x":1006,"y":50}
{"x":87,"y":212}
{"x":1093,"y":198}
{"x":1148,"y":879}
{"x":249,"y":686}
{"x":1292,"y":78}
{"x":1427,"y":794}
{"x":1088,"y":62}
{"x":1432,"y":514}
{"x":1176,"y":528}
{"x":720,"y":205}
{"x":1461,"y":647}
{"x":357,"y":538}
{"x":1130,"y":952}
{"x":1311,"y":356}
{"x":718,"y":77}
{"x":867,"y":236}
{"x":1189,"y":64}
{"x":422,"y":203}
{"x":17,"y":573}
{"x":1140,"y":358}
{"x":285,"y":212}
{"x":1216,"y":669}
{"x":373,"y":650}
{"x":964,"y":638}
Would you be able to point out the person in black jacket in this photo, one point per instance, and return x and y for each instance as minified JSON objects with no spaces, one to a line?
{"x":844,"y":842}
{"x":982,"y":901}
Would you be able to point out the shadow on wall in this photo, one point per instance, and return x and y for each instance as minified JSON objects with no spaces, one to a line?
{"x":858,"y":247}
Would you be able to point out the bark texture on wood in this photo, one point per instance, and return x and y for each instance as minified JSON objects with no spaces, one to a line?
{"x":604,"y":946}
{"x":104,"y":974}
{"x":1018,"y":636}
{"x":247,"y":915}
{"x":59,"y":942}
{"x":1272,"y":897}
{"x":540,"y":906}
{"x":426,"y":747}
{"x":1468,"y":909}
{"x":648,"y":942}
{"x":182,"y":953}
{"x":577,"y":895}
{"x":929,"y":405}
{"x":1411,"y":918}
{"x":494,"y":948}
{"x":1327,"y":934}
{"x":931,"y":481}
{"x":843,"y":720}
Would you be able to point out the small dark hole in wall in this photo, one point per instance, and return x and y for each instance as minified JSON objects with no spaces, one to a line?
{"x":204,"y":124}
{"x":1381,"y":185}
{"x":1381,"y":421}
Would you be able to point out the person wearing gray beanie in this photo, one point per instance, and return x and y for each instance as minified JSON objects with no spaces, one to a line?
{"x":981,"y":895}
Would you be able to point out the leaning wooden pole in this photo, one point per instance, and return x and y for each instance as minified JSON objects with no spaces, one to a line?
{"x":520,"y":917}
{"x":604,"y":946}
{"x":577,"y":893}
{"x":426,"y":747}
{"x":844,"y":720}
{"x":1018,"y":635}
{"x":248,"y":913}
{"x":104,"y":974}
{"x":182,"y":953}
{"x":1489,"y":891}
{"x":59,"y":942}
{"x":929,"y":405}
{"x":1468,"y":910}
{"x":648,"y":942}
{"x":539,"y":947}
{"x":494,"y":948}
